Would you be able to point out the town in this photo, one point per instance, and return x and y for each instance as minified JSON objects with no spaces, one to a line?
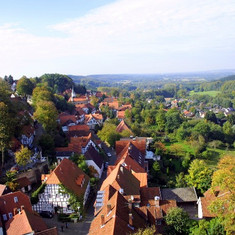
{"x":116,"y":160}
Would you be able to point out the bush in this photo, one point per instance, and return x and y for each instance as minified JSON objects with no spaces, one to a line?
{"x":34,"y":196}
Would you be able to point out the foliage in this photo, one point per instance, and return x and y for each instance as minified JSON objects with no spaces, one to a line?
{"x":35,"y":195}
{"x":46,"y":113}
{"x":178,"y":220}
{"x":22,"y":157}
{"x":24,"y":86}
{"x":41,"y":94}
{"x":75,"y":202}
{"x":204,"y":227}
{"x":199,"y":175}
{"x":5,"y":129}
{"x":82,"y":164}
{"x":46,"y":142}
{"x":109,"y":134}
{"x":11,"y":177}
{"x":173,"y":120}
{"x":180,"y":181}
{"x":160,"y":148}
{"x":146,"y":231}
{"x":5,"y":91}
{"x":224,"y":206}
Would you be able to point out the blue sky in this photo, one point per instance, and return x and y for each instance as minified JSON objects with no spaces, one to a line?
{"x":122,"y":36}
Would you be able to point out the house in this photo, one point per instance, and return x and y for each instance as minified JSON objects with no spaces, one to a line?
{"x":24,"y":184}
{"x":3,"y":189}
{"x":79,"y":100}
{"x":122,"y":126}
{"x":78,"y":131}
{"x":70,"y":176}
{"x":93,"y":120}
{"x":12,"y":203}
{"x":209,"y":196}
{"x":111,"y":103}
{"x":66,"y":120}
{"x":27,"y":136}
{"x":118,"y":216}
{"x":94,"y":159}
{"x":184,"y":197}
{"x":87,"y":108}
{"x":28,"y":222}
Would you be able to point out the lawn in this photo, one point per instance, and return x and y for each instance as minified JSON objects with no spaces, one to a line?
{"x":210,"y":93}
{"x":217,"y":154}
{"x":180,"y":148}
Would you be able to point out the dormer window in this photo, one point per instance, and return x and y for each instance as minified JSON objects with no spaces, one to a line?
{"x":15,"y":199}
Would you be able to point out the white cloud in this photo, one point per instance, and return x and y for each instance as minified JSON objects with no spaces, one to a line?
{"x":125,"y":35}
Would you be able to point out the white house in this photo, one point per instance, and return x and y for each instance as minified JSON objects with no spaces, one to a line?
{"x":70,"y":176}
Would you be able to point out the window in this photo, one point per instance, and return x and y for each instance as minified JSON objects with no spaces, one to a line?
{"x":10,"y":215}
{"x":15,"y":199}
{"x":4,"y":217}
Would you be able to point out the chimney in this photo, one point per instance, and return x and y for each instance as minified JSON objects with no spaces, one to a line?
{"x":130,"y":219}
{"x":102,"y":220}
{"x":130,"y":205}
{"x":108,"y":208}
{"x":14,"y":211}
{"x":22,"y":208}
{"x":157,"y":201}
{"x":121,"y":169}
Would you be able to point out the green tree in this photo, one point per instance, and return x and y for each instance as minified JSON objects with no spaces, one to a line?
{"x":178,"y":220}
{"x":109,"y":134}
{"x":210,"y":116}
{"x":161,"y":120}
{"x":180,"y":180}
{"x":5,"y":129}
{"x":46,"y":113}
{"x":199,"y":175}
{"x":5,"y":91}
{"x":11,"y":177}
{"x":146,"y":231}
{"x":228,"y":132}
{"x":46,"y":142}
{"x":23,"y":156}
{"x":41,"y":94}
{"x":204,"y":227}
{"x":173,"y":120}
{"x":24,"y":86}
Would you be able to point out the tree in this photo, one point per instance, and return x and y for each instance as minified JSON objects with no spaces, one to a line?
{"x":41,"y":94}
{"x":46,"y":113}
{"x":146,"y":231}
{"x":228,"y":132}
{"x":5,"y":129}
{"x":210,"y":116}
{"x":204,"y":227}
{"x":5,"y":92}
{"x":94,"y":100}
{"x":9,"y":79}
{"x":180,"y":180}
{"x":24,"y":86}
{"x":109,"y":134}
{"x":23,"y":156}
{"x":173,"y":120}
{"x":224,"y":206}
{"x":178,"y":220}
{"x":161,"y":120}
{"x":199,"y":175}
{"x":46,"y":142}
{"x":11,"y":180}
{"x":82,"y":164}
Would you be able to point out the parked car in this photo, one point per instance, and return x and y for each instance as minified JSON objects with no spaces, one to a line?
{"x":46,"y":214}
{"x":109,"y":154}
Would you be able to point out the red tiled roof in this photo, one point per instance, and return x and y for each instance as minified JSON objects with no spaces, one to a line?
{"x":121,"y":178}
{"x":143,"y":178}
{"x":148,"y":195}
{"x":117,"y":221}
{"x":28,"y":130}
{"x":125,"y":107}
{"x":7,"y":203}
{"x":138,"y":143}
{"x":64,"y":118}
{"x":121,"y":114}
{"x":25,"y":222}
{"x":68,"y":170}
{"x":122,"y":126}
{"x":23,"y":182}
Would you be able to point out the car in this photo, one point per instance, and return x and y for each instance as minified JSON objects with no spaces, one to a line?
{"x":109,"y":154}
{"x":46,"y":214}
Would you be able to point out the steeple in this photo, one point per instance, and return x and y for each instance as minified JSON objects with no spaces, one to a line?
{"x":73,"y":94}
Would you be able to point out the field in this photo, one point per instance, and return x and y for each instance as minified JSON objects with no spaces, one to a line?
{"x":210,"y":93}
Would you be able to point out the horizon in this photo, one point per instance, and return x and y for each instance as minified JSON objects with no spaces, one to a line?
{"x":116,"y":37}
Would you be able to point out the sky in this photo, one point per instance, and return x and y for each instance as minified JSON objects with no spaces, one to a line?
{"x":83,"y":37}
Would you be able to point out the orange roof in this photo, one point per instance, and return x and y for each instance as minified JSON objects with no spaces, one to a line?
{"x":125,"y":107}
{"x":8,"y":204}
{"x":117,"y":220}
{"x":122,"y":126}
{"x":64,"y":117}
{"x":68,"y":170}
{"x":25,"y":222}
{"x":2,"y":188}
{"x":209,"y":196}
{"x":79,"y":99}
{"x":79,"y":128}
{"x":139,"y":143}
{"x":121,"y":114}
{"x":121,"y":178}
{"x":143,"y":178}
{"x":148,"y":195}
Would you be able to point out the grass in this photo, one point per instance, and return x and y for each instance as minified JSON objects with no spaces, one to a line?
{"x":182,"y":147}
{"x":210,"y":93}
{"x":217,"y":154}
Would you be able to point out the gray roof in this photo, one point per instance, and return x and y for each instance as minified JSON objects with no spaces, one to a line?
{"x":179,"y":194}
